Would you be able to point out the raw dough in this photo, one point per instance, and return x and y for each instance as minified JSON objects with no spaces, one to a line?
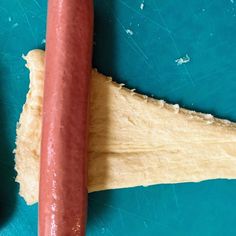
{"x":134,"y":140}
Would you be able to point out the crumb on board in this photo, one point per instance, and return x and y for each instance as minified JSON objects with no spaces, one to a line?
{"x":130,"y":32}
{"x":15,"y":25}
{"x":43,"y":41}
{"x":142,"y":6}
{"x":182,"y":60}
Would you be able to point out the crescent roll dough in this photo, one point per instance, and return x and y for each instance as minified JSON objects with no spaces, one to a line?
{"x":134,"y":140}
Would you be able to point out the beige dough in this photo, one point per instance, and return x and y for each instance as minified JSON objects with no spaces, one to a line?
{"x":134,"y":140}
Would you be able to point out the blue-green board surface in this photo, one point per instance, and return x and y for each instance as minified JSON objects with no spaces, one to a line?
{"x":137,"y":47}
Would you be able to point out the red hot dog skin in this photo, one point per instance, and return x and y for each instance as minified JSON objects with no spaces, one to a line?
{"x":63,"y":173}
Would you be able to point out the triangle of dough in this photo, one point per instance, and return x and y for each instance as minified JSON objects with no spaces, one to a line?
{"x":133,"y":140}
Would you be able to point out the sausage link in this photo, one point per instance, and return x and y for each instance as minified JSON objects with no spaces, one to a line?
{"x":63,"y":172}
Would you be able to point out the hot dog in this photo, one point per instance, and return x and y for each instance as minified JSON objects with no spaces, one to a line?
{"x":63,"y":172}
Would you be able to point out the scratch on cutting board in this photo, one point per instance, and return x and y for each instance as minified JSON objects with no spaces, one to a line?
{"x":146,"y":17}
{"x":126,"y":212}
{"x":109,"y":230}
{"x":136,"y":48}
{"x":214,"y":72}
{"x":133,"y":42}
{"x":36,"y":3}
{"x":134,"y":45}
{"x":140,"y":50}
{"x":176,"y":88}
{"x":121,"y":218}
{"x":175,"y":196}
{"x":27,"y":19}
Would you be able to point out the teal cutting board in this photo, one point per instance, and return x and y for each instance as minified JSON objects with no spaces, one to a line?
{"x":137,"y":47}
